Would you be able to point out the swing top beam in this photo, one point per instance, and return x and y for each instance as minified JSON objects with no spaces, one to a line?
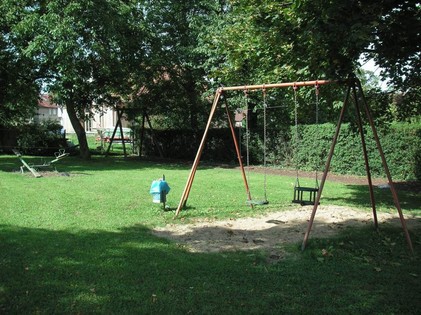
{"x":274,"y":85}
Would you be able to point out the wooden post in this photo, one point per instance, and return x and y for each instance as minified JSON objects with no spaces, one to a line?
{"x":386,"y":167}
{"x":186,"y":192}
{"x":366,"y":161}
{"x":237,"y":150}
{"x":329,"y":160}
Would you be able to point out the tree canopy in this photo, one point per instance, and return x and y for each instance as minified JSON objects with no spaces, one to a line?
{"x":164,"y":56}
{"x":89,"y":50}
{"x":19,"y":75}
{"x":315,"y":38}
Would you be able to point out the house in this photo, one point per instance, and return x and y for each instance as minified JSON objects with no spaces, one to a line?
{"x":47,"y":111}
{"x":102,"y":120}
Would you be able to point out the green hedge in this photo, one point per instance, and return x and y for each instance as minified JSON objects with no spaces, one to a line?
{"x":401,"y":144}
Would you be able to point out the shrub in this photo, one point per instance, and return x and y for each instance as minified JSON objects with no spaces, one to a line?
{"x":401,"y":144}
{"x":41,"y":138}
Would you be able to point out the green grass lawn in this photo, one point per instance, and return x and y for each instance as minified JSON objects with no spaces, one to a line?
{"x":81,"y":244}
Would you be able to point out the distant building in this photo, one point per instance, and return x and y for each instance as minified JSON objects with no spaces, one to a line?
{"x":105,"y":119}
{"x":102,"y":120}
{"x":48,"y":110}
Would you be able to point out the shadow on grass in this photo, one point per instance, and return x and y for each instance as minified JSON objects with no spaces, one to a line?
{"x":359,"y":196}
{"x":132,"y":271}
{"x":77,"y":165}
{"x":100,"y":163}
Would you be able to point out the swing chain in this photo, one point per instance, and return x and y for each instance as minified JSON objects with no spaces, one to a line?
{"x":264,"y":141}
{"x":247,"y":134}
{"x":295,"y":87}
{"x":317,"y":92}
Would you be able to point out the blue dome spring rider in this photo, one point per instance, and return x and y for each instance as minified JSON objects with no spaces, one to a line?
{"x":159,"y":190}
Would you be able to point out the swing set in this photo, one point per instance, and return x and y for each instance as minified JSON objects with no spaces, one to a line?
{"x":355,"y":92}
{"x":250,"y":201}
{"x":301,"y":192}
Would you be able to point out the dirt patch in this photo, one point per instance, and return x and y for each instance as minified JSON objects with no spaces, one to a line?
{"x":272,"y":231}
{"x":47,"y":174}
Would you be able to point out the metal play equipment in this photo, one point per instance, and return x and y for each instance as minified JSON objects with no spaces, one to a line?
{"x":33,"y":168}
{"x":124,"y":140}
{"x":354,"y":90}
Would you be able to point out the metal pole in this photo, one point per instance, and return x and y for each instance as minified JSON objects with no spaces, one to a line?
{"x":142,"y":133}
{"x":114,"y":132}
{"x":120,"y":114}
{"x":276,"y":85}
{"x":153,"y":136}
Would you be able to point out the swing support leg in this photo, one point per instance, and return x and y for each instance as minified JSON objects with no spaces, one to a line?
{"x":187,"y":188}
{"x":354,"y":84}
{"x":367,"y":166}
{"x":386,"y":168}
{"x":237,"y":150}
{"x":189,"y":183}
{"x":329,"y":159}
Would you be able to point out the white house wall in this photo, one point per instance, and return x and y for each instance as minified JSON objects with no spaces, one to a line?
{"x":45,"y":114}
{"x":101,"y":120}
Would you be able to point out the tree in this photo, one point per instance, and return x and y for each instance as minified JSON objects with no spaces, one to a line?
{"x":261,"y":41}
{"x":396,"y":45}
{"x":90,"y":49}
{"x":175,"y":78}
{"x":19,"y":84}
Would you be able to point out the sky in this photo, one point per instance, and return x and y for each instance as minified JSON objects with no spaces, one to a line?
{"x":371,"y":66}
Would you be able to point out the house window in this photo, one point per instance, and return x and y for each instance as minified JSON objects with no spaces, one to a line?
{"x":88,"y":125}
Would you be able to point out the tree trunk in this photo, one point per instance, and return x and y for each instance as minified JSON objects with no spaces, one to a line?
{"x":80,"y":131}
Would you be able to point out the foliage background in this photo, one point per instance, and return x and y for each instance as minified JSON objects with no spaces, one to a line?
{"x":400,"y":142}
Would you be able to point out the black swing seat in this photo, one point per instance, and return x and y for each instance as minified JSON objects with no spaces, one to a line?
{"x":301,"y":192}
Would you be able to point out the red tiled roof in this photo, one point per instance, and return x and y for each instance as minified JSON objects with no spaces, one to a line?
{"x":45,"y":101}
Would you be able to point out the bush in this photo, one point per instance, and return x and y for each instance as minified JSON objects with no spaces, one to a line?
{"x":41,"y":138}
{"x":401,"y":144}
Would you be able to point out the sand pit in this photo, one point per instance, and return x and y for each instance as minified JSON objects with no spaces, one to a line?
{"x":270,"y":232}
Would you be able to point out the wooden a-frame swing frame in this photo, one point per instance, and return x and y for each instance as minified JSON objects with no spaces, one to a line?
{"x":119,"y":125}
{"x":354,"y":91}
